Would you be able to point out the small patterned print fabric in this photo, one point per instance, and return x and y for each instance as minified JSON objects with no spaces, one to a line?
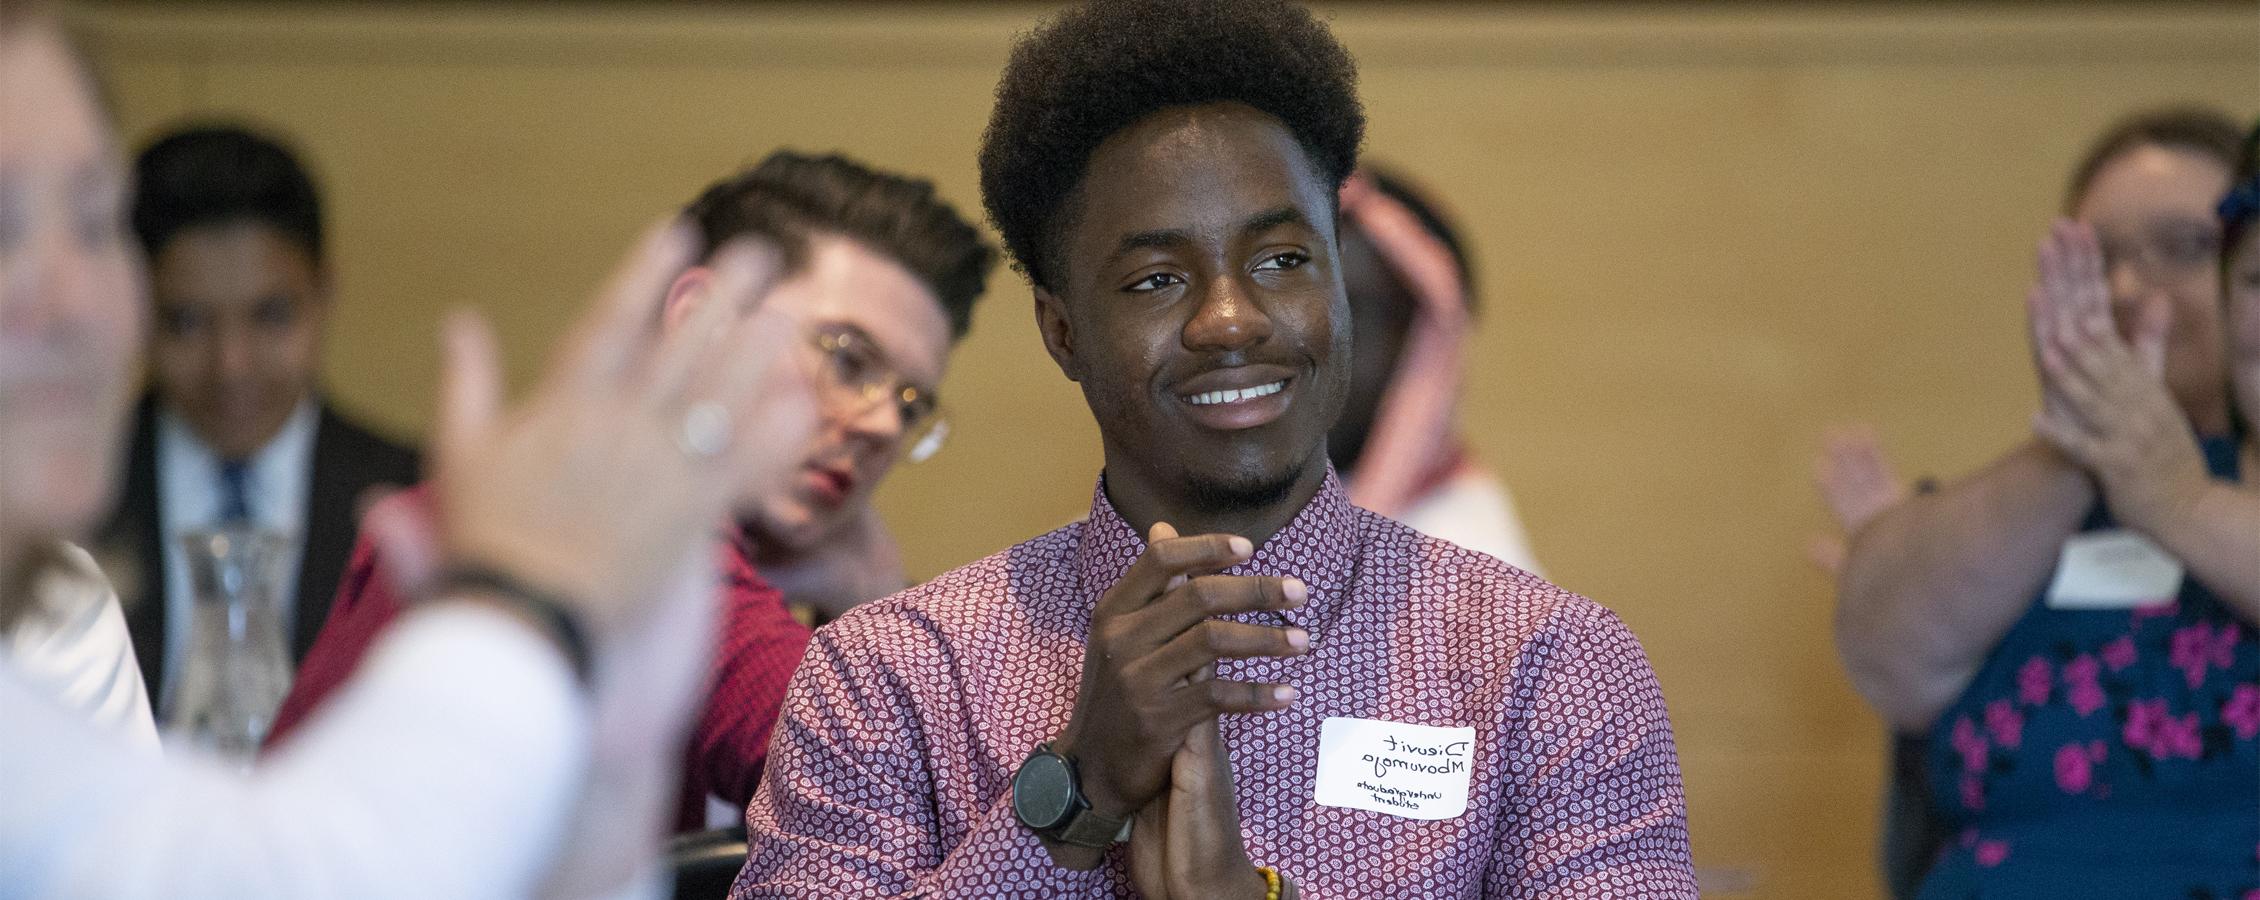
{"x":891,"y":771}
{"x":2105,"y":754}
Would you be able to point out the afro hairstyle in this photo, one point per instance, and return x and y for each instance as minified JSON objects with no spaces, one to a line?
{"x":1104,"y":65}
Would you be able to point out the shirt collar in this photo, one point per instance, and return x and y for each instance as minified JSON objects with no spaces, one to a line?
{"x":278,"y":472}
{"x":296,"y":439}
{"x":1319,"y":545}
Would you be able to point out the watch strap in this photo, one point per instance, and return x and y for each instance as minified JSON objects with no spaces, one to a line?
{"x":1089,"y":829}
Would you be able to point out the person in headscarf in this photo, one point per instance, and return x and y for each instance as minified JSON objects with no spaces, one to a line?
{"x":1412,"y":308}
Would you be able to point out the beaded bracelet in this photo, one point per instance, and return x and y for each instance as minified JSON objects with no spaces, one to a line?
{"x":1270,"y":882}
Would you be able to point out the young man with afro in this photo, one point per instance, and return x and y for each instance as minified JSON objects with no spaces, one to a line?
{"x":1227,"y":682}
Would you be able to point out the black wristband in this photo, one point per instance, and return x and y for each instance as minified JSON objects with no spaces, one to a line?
{"x":545,"y":607}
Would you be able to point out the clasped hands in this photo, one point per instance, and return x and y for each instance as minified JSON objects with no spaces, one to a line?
{"x":1144,"y":732}
{"x":2104,"y":400}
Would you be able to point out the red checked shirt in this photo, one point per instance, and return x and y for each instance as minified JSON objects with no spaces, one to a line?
{"x":892,"y":767}
{"x":755,"y":654}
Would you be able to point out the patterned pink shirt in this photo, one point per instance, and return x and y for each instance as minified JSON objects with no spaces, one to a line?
{"x":890,"y":773}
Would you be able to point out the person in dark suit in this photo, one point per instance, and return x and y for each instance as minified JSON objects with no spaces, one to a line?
{"x":234,"y":428}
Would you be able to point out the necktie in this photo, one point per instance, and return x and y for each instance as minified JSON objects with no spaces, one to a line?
{"x":235,"y":500}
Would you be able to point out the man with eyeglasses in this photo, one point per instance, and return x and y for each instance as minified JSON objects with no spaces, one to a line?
{"x":881,"y":278}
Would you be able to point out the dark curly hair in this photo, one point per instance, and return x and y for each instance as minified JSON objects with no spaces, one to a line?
{"x":1098,"y":68}
{"x":791,"y":197}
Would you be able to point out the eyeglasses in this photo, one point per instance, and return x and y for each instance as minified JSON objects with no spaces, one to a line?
{"x":2168,"y":250}
{"x":855,"y":378}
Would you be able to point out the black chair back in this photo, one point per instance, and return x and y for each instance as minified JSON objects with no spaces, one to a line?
{"x":706,"y":862}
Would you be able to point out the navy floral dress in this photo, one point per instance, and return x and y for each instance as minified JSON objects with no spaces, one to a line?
{"x":2107,"y":754}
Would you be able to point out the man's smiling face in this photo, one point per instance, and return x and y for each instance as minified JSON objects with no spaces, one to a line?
{"x":1199,"y":305}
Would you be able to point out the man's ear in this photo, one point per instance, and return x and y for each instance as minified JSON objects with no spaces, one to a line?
{"x":684,"y":294}
{"x":1059,"y":334}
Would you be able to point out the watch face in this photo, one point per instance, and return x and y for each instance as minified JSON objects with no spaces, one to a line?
{"x":1043,"y":792}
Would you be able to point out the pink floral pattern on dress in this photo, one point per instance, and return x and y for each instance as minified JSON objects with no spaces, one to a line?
{"x":2119,"y":654}
{"x":2082,"y":689}
{"x":2198,"y":647}
{"x":1971,"y":744}
{"x":2034,"y":679}
{"x":1973,"y":792}
{"x":2074,"y":772}
{"x":2005,"y":724}
{"x":2242,"y":712}
{"x":2163,"y":735}
{"x":2118,"y":715}
{"x":2179,"y":739}
{"x":2143,"y":718}
{"x":2140,"y":614}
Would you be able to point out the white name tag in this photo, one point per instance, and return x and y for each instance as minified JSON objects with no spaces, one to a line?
{"x":2116,"y":569}
{"x":1415,"y":771}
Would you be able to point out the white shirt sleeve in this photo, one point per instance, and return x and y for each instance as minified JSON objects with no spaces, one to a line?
{"x":73,"y":646}
{"x":445,"y":770}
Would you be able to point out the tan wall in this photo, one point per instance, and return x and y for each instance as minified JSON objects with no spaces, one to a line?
{"x":1704,"y":235}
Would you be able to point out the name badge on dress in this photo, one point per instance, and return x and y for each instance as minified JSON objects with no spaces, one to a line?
{"x":2114,"y":569}
{"x":1415,"y":771}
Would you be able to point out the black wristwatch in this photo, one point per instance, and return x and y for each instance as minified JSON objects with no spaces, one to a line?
{"x":1047,"y":797}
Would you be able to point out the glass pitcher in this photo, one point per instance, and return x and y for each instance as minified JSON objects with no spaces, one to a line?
{"x":238,"y":668}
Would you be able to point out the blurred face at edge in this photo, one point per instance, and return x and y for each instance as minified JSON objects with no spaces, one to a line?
{"x":71,"y":311}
